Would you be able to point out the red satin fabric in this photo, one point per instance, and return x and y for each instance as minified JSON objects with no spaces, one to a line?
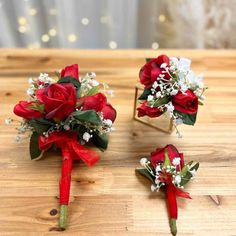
{"x":172,"y":192}
{"x":65,"y":180}
{"x":71,"y":150}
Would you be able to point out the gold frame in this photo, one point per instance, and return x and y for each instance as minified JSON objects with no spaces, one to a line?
{"x":169,"y":130}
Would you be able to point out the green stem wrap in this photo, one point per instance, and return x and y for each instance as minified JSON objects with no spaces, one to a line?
{"x":63,"y":217}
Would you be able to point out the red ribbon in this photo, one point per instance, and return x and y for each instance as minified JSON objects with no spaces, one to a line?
{"x":172,"y":192}
{"x":71,"y":150}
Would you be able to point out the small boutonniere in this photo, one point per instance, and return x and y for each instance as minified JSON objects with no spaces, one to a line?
{"x":167,"y":171}
{"x":66,"y":114}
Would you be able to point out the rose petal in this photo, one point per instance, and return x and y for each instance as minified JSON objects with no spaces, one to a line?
{"x":109,"y":113}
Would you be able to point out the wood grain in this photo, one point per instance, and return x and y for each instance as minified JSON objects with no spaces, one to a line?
{"x":109,"y":199}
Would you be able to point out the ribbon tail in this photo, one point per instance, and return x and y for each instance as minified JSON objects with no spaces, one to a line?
{"x":88,"y":156}
{"x":172,"y":202}
{"x":172,"y":206}
{"x":181,"y":193}
{"x":64,"y":186}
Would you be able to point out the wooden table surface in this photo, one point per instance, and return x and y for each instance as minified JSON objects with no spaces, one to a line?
{"x":109,"y":199}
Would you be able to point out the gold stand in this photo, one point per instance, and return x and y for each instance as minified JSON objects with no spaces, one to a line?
{"x":161,"y":123}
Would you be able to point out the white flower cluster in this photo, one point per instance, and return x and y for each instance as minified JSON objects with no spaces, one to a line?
{"x":23,"y":128}
{"x":38,"y":83}
{"x":88,"y":82}
{"x":162,"y":172}
{"x":181,"y":78}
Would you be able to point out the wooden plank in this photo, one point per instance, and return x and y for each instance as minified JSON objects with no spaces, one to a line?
{"x":25,"y":61}
{"x":118,"y":215}
{"x":110,"y":194}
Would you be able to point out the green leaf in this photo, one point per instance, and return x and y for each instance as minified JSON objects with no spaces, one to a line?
{"x":148,"y":59}
{"x":186,"y":168}
{"x":101,"y":141}
{"x":167,"y":159}
{"x":79,"y":103}
{"x":159,"y":102}
{"x":145,"y":94}
{"x":69,"y":79}
{"x":195,"y":167}
{"x":200,"y":103}
{"x":187,"y":176}
{"x":93,"y":91}
{"x":90,"y":116}
{"x":35,"y":152}
{"x":78,"y":93}
{"x":185,"y":179}
{"x":40,"y":125}
{"x":146,"y":174}
{"x":188,"y":119}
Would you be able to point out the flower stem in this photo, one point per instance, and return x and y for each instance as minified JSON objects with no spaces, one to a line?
{"x":63,"y":217}
{"x":173,"y":227}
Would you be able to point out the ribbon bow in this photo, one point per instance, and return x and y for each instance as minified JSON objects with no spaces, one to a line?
{"x":71,"y":150}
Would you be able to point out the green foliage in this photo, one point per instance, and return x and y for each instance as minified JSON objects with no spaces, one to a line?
{"x":186,"y":172}
{"x":93,"y":91}
{"x":188,"y":119}
{"x":41,"y":125}
{"x":35,"y":152}
{"x":159,"y":102}
{"x":37,"y":107}
{"x":89,"y":116}
{"x":145,"y":94}
{"x":146,"y":174}
{"x":69,"y":79}
{"x":200,"y":103}
{"x":167,"y":159}
{"x":101,"y":141}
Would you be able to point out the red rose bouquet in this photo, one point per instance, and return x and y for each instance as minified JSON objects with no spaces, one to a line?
{"x":166,"y":170}
{"x":66,"y":114}
{"x":171,"y":87}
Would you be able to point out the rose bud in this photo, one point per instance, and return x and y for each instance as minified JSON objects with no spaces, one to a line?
{"x":158,"y":156}
{"x":98,"y":102}
{"x":23,"y":110}
{"x":145,"y":110}
{"x":72,"y":71}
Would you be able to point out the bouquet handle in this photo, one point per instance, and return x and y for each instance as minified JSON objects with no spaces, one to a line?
{"x":65,"y":183}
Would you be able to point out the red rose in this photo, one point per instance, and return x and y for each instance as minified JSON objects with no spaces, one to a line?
{"x":95,"y":102}
{"x":185,"y":102}
{"x":145,"y":110}
{"x":23,"y":110}
{"x":151,"y":70}
{"x":72,"y":71}
{"x":109,"y":113}
{"x":98,"y":102}
{"x":59,"y":100}
{"x":158,"y":156}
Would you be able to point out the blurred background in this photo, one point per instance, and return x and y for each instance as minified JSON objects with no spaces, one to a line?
{"x":118,"y":24}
